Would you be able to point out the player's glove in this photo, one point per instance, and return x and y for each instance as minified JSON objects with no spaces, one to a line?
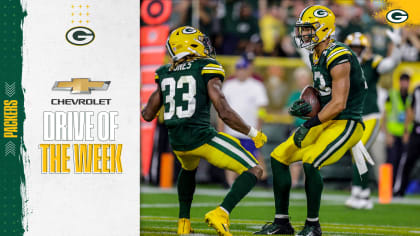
{"x":258,"y":137}
{"x":303,"y":130}
{"x":300,"y":108}
{"x":394,"y":35}
{"x":300,"y":134}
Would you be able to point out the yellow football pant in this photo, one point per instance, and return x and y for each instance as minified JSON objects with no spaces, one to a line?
{"x":223,"y":151}
{"x":372,"y":127}
{"x":324,"y":144}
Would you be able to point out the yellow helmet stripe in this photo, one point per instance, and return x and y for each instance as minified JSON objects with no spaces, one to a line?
{"x":338,"y":54}
{"x":169,"y":48}
{"x":303,"y":12}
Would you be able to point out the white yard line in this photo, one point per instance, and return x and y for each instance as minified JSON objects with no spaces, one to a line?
{"x":269,"y":194}
{"x":326,"y":225}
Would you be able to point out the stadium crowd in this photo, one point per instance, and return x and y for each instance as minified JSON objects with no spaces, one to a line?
{"x":264,"y":27}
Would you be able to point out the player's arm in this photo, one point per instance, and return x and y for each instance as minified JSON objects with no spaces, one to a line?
{"x":389,"y":63}
{"x":340,"y":90}
{"x":229,"y":116}
{"x":153,"y":105}
{"x":226,"y":113}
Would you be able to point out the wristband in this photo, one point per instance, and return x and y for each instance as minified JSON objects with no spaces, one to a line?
{"x":253,"y":132}
{"x":314,"y":121}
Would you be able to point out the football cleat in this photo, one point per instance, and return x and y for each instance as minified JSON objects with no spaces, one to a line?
{"x":310,"y":230}
{"x":219,"y":220}
{"x":359,"y":203}
{"x":184,"y":226}
{"x":272,"y":228}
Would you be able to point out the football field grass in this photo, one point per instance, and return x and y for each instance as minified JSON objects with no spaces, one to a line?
{"x":159,"y":213}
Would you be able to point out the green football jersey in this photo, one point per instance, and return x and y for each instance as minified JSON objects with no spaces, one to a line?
{"x":335,"y":54}
{"x":186,"y":101}
{"x":372,"y":77}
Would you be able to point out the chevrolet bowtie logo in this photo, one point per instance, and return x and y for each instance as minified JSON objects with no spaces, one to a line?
{"x":81,"y":85}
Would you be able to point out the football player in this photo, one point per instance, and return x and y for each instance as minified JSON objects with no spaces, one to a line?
{"x":186,"y":88}
{"x":323,"y":139}
{"x":373,"y":66}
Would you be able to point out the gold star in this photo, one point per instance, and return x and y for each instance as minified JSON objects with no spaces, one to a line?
{"x":80,"y":21}
{"x":72,"y":6}
{"x":72,"y":13}
{"x":87,"y":6}
{"x":72,"y":21}
{"x":87,"y":13}
{"x":87,"y":21}
{"x":80,"y":14}
{"x":80,"y":6}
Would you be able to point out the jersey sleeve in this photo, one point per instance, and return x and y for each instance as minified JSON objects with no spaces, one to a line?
{"x":211,"y":70}
{"x":338,"y":56}
{"x":376,"y":60}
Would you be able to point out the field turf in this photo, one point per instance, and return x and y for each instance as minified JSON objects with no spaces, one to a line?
{"x":159,"y":213}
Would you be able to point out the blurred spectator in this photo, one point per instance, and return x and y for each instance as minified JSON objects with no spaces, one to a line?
{"x":303,"y":78}
{"x":413,"y":140}
{"x":240,"y":30}
{"x":246,"y":96}
{"x":352,"y":21}
{"x":276,"y":86}
{"x":272,"y":28}
{"x":250,"y":57}
{"x":410,"y":44}
{"x":206,"y":13}
{"x":394,"y":119}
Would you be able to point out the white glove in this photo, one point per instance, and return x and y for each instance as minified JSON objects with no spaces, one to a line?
{"x":394,"y":35}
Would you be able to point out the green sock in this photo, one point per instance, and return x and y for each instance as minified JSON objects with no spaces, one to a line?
{"x":186,"y":188}
{"x":241,"y":187}
{"x":282,"y":183}
{"x":313,"y":189}
{"x":362,"y":181}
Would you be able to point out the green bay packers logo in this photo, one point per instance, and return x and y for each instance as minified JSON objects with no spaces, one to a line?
{"x":189,"y":30}
{"x":80,"y":36}
{"x":320,"y":13}
{"x":397,"y":16}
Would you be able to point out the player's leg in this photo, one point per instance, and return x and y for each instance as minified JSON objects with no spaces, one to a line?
{"x":225,"y":151}
{"x":282,"y":156}
{"x":186,"y":188}
{"x":332,"y":144}
{"x":249,"y":145}
{"x":360,"y":191}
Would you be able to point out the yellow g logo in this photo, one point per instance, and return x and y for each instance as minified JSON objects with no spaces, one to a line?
{"x":397,"y":16}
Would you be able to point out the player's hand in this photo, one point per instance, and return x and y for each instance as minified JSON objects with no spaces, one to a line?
{"x":394,"y":36}
{"x":260,"y":139}
{"x":300,"y":134}
{"x":300,"y":108}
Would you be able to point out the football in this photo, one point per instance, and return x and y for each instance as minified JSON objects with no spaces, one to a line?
{"x":311,"y":96}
